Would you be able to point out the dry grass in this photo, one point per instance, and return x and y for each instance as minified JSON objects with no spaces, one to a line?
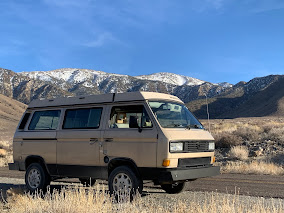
{"x":238,"y":131}
{"x":254,"y":167}
{"x":5,"y":153}
{"x":239,"y":152}
{"x":77,"y":200}
{"x":258,"y":142}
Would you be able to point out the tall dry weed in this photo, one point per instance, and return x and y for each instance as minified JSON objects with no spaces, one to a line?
{"x":77,"y":200}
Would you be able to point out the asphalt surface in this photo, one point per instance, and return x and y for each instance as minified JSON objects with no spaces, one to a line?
{"x":267,"y":186}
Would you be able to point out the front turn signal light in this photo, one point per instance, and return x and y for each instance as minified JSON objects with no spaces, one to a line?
{"x":166,"y":162}
{"x":214,"y":159}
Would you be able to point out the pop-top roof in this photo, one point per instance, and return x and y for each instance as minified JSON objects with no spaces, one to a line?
{"x":104,"y":98}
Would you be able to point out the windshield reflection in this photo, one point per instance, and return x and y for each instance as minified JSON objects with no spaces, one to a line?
{"x":174,"y":115}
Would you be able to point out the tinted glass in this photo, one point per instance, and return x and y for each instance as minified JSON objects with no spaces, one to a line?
{"x":24,"y":121}
{"x":45,"y":120}
{"x":82,"y":118}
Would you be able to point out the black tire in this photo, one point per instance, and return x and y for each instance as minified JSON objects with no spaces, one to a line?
{"x":174,"y":188}
{"x":124,"y":184}
{"x":36,"y":178}
{"x":87,"y":181}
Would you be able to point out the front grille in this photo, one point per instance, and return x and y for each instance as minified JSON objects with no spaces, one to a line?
{"x":196,"y":146}
{"x":194,"y":162}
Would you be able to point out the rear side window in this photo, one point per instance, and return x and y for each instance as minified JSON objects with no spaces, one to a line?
{"x":45,"y":120}
{"x":24,"y":120}
{"x":82,"y":118}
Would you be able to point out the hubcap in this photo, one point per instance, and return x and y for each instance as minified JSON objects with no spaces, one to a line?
{"x":34,"y":178}
{"x":122,"y":183}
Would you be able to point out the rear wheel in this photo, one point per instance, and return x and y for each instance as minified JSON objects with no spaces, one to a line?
{"x":36,"y":178}
{"x":87,"y":181}
{"x":123,"y":183}
{"x":173,"y":188}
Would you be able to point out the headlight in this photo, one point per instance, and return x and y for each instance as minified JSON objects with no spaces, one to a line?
{"x":211,"y":146}
{"x":176,"y":147}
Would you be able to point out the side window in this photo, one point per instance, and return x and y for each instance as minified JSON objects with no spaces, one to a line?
{"x":82,"y":118}
{"x":45,"y":120}
{"x":24,"y":121}
{"x":129,"y":117}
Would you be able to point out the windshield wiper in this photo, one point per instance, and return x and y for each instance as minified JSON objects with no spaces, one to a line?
{"x":195,"y":126}
{"x":177,"y":125}
{"x":174,"y":125}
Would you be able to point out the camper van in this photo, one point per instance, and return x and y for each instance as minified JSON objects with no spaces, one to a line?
{"x":124,"y":138}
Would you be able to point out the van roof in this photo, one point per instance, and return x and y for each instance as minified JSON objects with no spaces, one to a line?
{"x":103,"y":98}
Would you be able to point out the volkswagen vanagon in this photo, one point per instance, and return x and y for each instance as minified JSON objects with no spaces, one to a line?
{"x":124,"y":138}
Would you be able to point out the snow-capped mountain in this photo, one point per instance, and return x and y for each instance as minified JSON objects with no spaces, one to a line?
{"x":26,"y":86}
{"x":69,"y":76}
{"x":171,"y":78}
{"x":90,"y":77}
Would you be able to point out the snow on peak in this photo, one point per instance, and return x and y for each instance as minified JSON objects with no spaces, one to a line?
{"x":89,"y":78}
{"x":67,"y":74}
{"x":225,"y":84}
{"x":171,"y":78}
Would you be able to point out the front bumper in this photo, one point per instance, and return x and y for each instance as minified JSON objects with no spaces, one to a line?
{"x":176,"y":175}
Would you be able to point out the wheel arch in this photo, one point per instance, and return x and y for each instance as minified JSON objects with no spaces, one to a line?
{"x":35,"y":159}
{"x":116,"y":162}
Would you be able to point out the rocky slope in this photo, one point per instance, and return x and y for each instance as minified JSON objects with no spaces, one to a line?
{"x":225,"y":100}
{"x":259,"y":97}
{"x":26,"y":86}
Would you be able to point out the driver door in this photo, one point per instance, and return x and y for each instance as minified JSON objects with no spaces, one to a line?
{"x":131,"y":134}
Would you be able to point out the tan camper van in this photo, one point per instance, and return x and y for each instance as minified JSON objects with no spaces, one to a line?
{"x":124,"y":138}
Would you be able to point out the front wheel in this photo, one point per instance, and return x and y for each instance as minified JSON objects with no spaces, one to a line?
{"x":123,"y":183}
{"x":173,"y":188}
{"x":36,"y":178}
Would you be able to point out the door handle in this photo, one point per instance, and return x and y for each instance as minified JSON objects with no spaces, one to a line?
{"x":108,"y":139}
{"x":93,"y":140}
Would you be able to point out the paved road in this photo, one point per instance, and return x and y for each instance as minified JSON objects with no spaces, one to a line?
{"x":251,"y":185}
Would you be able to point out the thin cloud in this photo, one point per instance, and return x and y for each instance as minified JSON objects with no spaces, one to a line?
{"x":69,"y":3}
{"x":267,"y":5}
{"x":217,"y":4}
{"x":102,"y":39}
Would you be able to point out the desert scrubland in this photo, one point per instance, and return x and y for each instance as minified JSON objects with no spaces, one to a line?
{"x":77,"y":199}
{"x":243,"y":145}
{"x":249,"y":145}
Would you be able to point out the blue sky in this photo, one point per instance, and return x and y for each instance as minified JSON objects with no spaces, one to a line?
{"x":213,"y":40}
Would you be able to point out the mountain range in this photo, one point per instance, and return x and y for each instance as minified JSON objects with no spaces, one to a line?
{"x":258,"y":97}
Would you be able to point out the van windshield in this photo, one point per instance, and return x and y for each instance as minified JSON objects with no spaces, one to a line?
{"x":174,"y":115}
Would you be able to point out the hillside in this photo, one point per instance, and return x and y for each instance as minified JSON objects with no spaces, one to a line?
{"x":243,"y":102}
{"x":26,"y":86}
{"x":10,"y":113}
{"x":258,"y":97}
{"x":268,"y":102}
